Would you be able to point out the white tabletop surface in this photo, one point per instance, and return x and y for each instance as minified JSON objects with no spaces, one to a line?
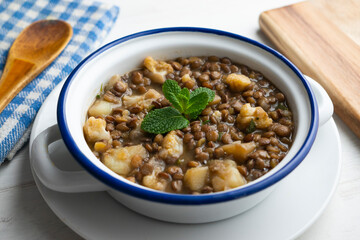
{"x":25,"y":215}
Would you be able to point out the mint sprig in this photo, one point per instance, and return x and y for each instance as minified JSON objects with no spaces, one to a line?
{"x":210,"y":93}
{"x":183,"y":97}
{"x":163,"y":120}
{"x":186,"y":105}
{"x":196,"y":104}
{"x":171,"y":90}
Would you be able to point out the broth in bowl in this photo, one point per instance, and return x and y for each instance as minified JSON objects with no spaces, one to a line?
{"x":190,"y":125}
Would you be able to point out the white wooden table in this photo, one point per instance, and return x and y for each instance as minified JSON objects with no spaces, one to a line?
{"x":25,"y":215}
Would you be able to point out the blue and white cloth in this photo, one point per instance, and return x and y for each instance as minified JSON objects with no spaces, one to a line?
{"x":91,"y":21}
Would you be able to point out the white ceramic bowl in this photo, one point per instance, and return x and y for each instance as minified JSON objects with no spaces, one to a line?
{"x":126,"y":54}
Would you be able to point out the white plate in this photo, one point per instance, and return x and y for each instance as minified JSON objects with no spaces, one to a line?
{"x":294,"y":205}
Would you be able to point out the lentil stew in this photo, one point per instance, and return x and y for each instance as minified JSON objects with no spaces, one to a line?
{"x":243,"y":133}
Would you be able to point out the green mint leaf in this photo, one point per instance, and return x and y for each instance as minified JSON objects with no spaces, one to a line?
{"x":205,"y":122}
{"x":175,"y":101}
{"x":196,"y":105}
{"x":185,"y":92}
{"x":171,"y":86}
{"x":98,"y":96}
{"x":171,"y":90}
{"x":183,"y":98}
{"x":183,"y":102}
{"x":209,"y":92}
{"x":197,"y":102}
{"x":281,"y":106}
{"x":220,"y":135}
{"x":251,"y":127}
{"x":179,"y":162}
{"x":163,"y":120}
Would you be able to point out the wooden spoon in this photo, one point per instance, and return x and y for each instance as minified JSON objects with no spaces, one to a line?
{"x":32,"y":51}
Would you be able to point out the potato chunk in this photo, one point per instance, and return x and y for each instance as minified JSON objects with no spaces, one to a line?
{"x":119,"y":159}
{"x":94,"y":130}
{"x":172,"y":146}
{"x":237,"y":82}
{"x":143,"y":101}
{"x":240,"y":151}
{"x":257,"y":114}
{"x":159,"y":69}
{"x":195,"y":178}
{"x":154,"y":182}
{"x":152,"y":95}
{"x":133,"y":100}
{"x":224,"y":175}
{"x":100,"y":109}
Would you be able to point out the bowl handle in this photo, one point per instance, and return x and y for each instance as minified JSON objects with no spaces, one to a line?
{"x":326,"y":107}
{"x":53,"y":177}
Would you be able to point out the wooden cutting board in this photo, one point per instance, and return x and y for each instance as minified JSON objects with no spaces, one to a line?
{"x":322,"y":38}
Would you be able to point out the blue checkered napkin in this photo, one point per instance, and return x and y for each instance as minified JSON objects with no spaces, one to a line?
{"x":91,"y":21}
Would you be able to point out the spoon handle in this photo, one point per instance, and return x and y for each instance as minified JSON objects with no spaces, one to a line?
{"x":16,"y":75}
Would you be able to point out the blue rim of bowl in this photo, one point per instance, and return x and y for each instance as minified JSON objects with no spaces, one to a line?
{"x":183,"y":199}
